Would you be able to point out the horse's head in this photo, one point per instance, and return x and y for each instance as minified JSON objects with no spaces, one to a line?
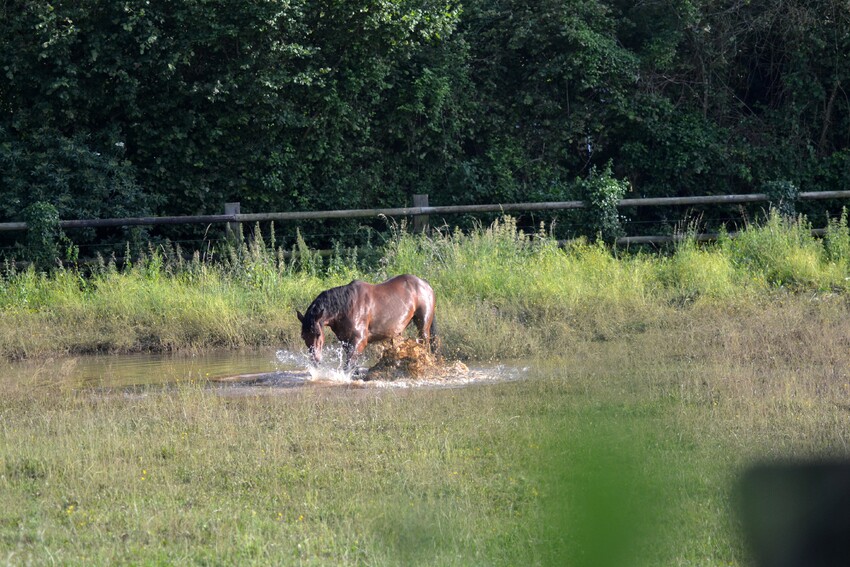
{"x":314,"y":337}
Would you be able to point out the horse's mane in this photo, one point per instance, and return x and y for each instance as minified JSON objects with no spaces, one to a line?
{"x":328,"y":304}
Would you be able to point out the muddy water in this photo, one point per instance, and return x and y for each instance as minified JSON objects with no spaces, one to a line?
{"x":233,"y":373}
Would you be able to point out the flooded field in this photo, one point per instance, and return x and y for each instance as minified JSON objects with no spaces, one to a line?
{"x":237,"y":373}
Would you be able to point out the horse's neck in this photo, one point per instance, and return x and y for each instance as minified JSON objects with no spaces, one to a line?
{"x":326,"y":319}
{"x":329,"y":320}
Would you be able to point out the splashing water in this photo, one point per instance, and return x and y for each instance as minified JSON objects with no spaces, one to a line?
{"x":287,"y":358}
{"x":330,"y":370}
{"x":326,"y":374}
{"x":469,"y":377}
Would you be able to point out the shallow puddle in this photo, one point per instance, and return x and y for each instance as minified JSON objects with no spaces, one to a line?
{"x":270,"y":382}
{"x":233,"y":373}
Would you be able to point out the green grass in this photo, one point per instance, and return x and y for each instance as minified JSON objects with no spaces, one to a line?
{"x":635,"y":441}
{"x":655,"y":380}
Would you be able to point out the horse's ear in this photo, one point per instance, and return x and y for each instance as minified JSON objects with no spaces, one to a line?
{"x":300,"y":316}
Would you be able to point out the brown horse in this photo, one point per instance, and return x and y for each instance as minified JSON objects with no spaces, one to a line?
{"x":360,"y":313}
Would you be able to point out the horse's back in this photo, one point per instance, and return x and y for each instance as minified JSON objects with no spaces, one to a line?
{"x":407,"y":280}
{"x":408,"y":284}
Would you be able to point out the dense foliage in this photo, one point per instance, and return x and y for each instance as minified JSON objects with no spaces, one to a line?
{"x":131,"y":107}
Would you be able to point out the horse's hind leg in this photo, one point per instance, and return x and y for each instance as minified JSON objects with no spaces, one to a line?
{"x":423,"y":319}
{"x":435,"y":336}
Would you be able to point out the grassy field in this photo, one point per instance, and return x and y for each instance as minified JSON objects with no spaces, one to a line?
{"x":654,"y":382}
{"x":636,"y":441}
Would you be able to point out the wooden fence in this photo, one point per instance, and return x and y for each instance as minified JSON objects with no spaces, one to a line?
{"x":421,"y":211}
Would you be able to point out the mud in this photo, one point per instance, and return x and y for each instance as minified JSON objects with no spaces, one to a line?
{"x":411,"y":359}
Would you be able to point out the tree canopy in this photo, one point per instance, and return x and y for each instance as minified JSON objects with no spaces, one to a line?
{"x":131,"y":107}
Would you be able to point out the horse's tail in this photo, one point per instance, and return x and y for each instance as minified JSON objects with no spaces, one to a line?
{"x":435,"y":339}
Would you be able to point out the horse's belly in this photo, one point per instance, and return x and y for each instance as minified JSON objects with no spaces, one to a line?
{"x":384,"y":333}
{"x":386,"y":330}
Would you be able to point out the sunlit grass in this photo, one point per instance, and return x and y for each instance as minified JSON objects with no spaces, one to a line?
{"x":520,"y":473}
{"x":501,"y":292}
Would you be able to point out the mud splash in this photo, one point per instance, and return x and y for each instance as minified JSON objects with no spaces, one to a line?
{"x":411,"y":359}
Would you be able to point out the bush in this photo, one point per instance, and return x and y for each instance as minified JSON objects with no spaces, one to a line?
{"x":43,"y":236}
{"x":603,"y":191}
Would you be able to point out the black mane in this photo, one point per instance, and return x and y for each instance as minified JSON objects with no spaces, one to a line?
{"x":328,"y":305}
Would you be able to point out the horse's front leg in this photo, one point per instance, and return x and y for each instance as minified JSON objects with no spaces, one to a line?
{"x":349,"y":355}
{"x":353,"y":350}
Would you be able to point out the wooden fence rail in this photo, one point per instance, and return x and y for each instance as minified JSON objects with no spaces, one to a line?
{"x":421,"y":212}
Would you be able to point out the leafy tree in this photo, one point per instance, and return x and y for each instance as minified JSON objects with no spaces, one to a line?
{"x":123,"y":108}
{"x":549,"y":77}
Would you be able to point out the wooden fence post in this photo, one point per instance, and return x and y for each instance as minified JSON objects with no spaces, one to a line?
{"x":420,"y":222}
{"x":232,"y":227}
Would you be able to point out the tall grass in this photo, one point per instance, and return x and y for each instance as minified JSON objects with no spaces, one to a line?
{"x":162,"y":302}
{"x":782,"y":253}
{"x":501,"y":292}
